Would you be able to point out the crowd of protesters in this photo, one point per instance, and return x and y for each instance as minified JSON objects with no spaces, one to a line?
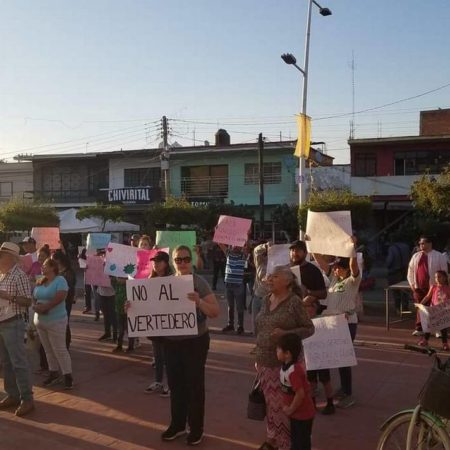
{"x":42,"y":294}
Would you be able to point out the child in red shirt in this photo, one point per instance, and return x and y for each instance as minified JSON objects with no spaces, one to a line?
{"x":299,"y":405}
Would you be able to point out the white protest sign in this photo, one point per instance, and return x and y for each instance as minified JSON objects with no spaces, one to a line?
{"x":434,"y":318}
{"x":331,"y":345}
{"x":277,"y":255}
{"x":46,"y":235}
{"x":296,"y":271}
{"x":329,"y":233}
{"x":232,"y":231}
{"x":121,"y":260}
{"x":160,"y":307}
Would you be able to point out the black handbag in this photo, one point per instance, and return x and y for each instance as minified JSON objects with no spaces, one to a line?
{"x":256,"y":408}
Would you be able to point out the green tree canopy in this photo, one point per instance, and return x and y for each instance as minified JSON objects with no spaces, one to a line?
{"x":338,"y":200}
{"x":114,"y":213}
{"x":432,"y":195}
{"x":22,"y":215}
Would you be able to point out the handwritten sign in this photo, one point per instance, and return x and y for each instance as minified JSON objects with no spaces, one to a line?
{"x":96,"y":241}
{"x":330,"y":233}
{"x":277,"y":255}
{"x":331,"y":345}
{"x":172,"y":239}
{"x":434,"y":318}
{"x":44,"y":235}
{"x":144,"y":265}
{"x":121,"y":260}
{"x":232,"y":231}
{"x":160,"y":307}
{"x":95,"y":274}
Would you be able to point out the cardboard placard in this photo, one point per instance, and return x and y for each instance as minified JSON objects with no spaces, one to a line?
{"x":277,"y":255}
{"x":46,"y":235}
{"x":232,"y":231}
{"x":434,"y":318}
{"x":121,"y":260}
{"x":95,"y":274}
{"x":160,"y":307}
{"x":97,"y":241}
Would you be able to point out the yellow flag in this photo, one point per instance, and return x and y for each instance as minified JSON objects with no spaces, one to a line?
{"x":304,"y":136}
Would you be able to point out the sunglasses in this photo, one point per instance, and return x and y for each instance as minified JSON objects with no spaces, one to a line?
{"x":186,"y":259}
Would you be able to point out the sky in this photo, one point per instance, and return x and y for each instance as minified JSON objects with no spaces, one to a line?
{"x":98,"y":75}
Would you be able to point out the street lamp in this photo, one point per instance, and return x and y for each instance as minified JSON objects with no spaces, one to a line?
{"x":290,"y":59}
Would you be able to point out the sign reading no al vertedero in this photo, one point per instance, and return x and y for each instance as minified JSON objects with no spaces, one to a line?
{"x":160,"y":307}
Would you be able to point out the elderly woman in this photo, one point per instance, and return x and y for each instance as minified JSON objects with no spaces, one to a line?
{"x":282,"y":313}
{"x":186,"y":359}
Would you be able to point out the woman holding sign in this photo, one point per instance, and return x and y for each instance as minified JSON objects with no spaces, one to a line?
{"x":282,"y":313}
{"x":186,"y":359}
{"x":345,"y":278}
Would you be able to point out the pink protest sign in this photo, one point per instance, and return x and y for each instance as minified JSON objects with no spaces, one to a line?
{"x":46,"y":235}
{"x":95,"y":274}
{"x":232,"y":231}
{"x":144,"y":265}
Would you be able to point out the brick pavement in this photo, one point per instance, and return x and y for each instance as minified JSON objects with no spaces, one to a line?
{"x":108,"y":408}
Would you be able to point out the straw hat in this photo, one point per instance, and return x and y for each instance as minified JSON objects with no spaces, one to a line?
{"x":10,"y":248}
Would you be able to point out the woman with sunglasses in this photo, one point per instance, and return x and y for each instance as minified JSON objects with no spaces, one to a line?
{"x":186,"y":359}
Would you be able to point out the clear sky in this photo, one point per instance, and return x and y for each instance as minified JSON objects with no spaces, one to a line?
{"x":97,"y":75}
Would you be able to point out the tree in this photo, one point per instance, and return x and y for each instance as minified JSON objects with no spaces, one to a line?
{"x":22,"y":215}
{"x":114,"y":213}
{"x":287,"y":217}
{"x":338,"y":200}
{"x":432,"y":195}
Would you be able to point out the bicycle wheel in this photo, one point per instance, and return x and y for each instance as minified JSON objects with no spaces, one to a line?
{"x":426,"y":435}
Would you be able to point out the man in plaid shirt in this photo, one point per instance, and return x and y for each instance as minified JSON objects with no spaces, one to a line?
{"x":15,"y":298}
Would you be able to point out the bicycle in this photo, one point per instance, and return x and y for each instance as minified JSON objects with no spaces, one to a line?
{"x":420,"y":428}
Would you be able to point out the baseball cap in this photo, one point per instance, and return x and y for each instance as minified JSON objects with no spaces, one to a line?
{"x":160,"y":256}
{"x":298,"y":244}
{"x":28,"y":240}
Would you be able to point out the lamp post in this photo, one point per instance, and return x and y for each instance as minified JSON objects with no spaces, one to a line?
{"x":289,"y":58}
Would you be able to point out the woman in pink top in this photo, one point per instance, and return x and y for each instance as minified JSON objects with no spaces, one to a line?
{"x":438,"y":294}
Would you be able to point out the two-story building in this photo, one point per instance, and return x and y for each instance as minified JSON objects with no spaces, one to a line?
{"x":223,"y":172}
{"x":386,"y":168}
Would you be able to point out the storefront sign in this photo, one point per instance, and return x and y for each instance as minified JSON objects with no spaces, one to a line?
{"x":130,"y":195}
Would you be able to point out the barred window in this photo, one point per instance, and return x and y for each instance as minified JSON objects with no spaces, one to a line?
{"x":143,"y":176}
{"x":271,"y":171}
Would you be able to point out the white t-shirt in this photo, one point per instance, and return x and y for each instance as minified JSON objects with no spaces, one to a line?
{"x":342,"y":295}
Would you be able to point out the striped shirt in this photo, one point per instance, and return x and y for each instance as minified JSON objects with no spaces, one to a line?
{"x":16,"y":283}
{"x":341,"y":298}
{"x":234,"y":269}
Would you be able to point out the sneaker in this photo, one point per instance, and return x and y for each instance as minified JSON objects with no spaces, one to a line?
{"x":194,"y":438}
{"x":104,"y":337}
{"x":68,"y":381}
{"x":165,"y":392}
{"x":240,"y":330}
{"x":25,"y":407}
{"x":154,"y":387}
{"x":172,"y":433}
{"x":9,"y":402}
{"x":328,"y":410}
{"x":53,"y":378}
{"x":417,"y":333}
{"x":339,"y":394}
{"x":423,"y":343}
{"x":228,"y":328}
{"x":346,"y":402}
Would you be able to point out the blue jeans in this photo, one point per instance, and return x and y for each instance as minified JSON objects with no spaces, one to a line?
{"x":235,"y":295}
{"x":17,"y":380}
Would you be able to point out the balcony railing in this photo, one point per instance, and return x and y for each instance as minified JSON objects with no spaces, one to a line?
{"x":212,"y":187}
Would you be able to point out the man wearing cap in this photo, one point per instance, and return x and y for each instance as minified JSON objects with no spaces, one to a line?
{"x":311,"y":277}
{"x":14,"y":301}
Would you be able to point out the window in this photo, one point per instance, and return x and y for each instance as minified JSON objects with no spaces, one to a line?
{"x":6,"y":189}
{"x":365,"y":165}
{"x":419,"y":162}
{"x":205,"y":181}
{"x":271,"y":171}
{"x":143,"y":176}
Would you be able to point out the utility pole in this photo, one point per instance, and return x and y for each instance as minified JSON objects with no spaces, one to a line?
{"x":165,"y":155}
{"x":261,"y":184}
